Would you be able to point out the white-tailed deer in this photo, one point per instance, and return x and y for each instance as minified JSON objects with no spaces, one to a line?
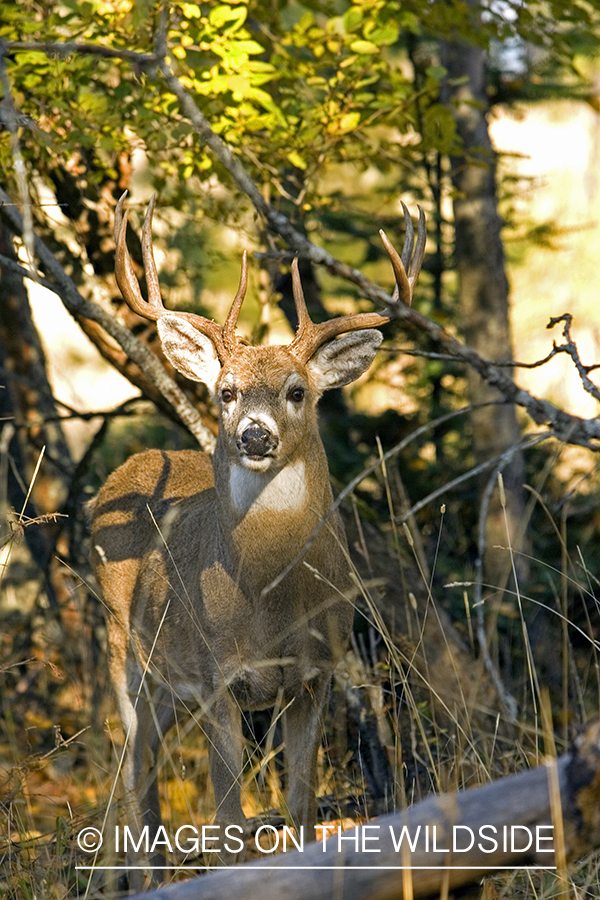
{"x":184,"y":544}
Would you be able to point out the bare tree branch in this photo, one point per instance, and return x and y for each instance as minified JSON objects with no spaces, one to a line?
{"x":72,"y":48}
{"x":500,"y":461}
{"x":570,"y":348}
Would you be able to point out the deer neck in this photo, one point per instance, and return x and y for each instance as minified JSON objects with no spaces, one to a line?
{"x":302,"y":484}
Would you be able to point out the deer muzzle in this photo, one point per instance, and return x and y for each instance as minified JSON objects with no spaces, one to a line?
{"x":257,"y":442}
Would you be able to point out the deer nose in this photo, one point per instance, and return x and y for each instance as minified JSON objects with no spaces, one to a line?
{"x":257,"y":441}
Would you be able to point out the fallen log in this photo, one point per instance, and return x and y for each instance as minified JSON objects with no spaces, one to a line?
{"x":445,"y":842}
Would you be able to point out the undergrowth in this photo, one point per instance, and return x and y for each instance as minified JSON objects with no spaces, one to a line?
{"x":61,"y":742}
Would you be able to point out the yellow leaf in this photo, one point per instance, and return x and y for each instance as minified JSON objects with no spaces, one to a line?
{"x":364,"y":47}
{"x":349,"y":122}
{"x":296,"y":160}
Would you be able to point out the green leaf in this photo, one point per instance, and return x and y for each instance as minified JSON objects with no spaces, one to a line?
{"x":352,"y":18}
{"x":248,"y":47}
{"x":191,"y":10}
{"x":122,"y":90}
{"x":436,"y":72}
{"x":382,"y":34}
{"x":32,"y":58}
{"x":222,"y":15}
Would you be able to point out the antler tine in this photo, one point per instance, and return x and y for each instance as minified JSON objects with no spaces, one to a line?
{"x":229,"y":336}
{"x":119,"y":216}
{"x":154,"y":298}
{"x":419,"y":255}
{"x":126,"y":279}
{"x":407,"y":267}
{"x":409,"y":237}
{"x":305,"y":322}
{"x":310,"y":336}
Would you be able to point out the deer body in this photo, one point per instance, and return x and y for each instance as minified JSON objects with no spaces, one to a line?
{"x":186,"y":548}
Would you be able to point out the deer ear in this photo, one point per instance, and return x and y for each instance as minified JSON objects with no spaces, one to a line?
{"x":342,"y":360}
{"x":189,"y":350}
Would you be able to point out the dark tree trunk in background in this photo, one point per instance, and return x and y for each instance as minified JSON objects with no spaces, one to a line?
{"x":483,"y":292}
{"x":26,"y":408}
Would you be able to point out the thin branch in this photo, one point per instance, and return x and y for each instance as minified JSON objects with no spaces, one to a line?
{"x":570,"y":348}
{"x":499,"y":363}
{"x":7,"y":263}
{"x":473,"y":472}
{"x":127,"y":408}
{"x":72,"y":48}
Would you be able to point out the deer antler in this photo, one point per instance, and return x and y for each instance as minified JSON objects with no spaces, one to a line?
{"x":223,"y":337}
{"x":406,"y":271}
{"x":310,"y":336}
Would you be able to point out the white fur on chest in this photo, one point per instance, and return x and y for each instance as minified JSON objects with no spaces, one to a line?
{"x":283,"y":492}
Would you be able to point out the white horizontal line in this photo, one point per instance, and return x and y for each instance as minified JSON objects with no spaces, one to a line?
{"x":481,"y":868}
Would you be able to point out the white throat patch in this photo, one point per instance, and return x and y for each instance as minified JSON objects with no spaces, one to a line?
{"x":285,"y":491}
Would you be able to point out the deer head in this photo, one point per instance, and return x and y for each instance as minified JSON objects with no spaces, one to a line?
{"x":320,"y":356}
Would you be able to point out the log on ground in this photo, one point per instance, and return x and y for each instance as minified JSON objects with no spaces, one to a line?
{"x":456,"y":839}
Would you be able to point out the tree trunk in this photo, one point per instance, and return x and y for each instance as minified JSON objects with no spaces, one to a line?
{"x":28,"y":411}
{"x":483,"y":294}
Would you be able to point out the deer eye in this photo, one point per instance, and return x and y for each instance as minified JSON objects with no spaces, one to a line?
{"x":227,"y":395}
{"x":296,"y":395}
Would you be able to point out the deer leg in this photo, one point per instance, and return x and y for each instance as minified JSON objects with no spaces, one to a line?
{"x":155,"y":716}
{"x":125,"y":693}
{"x":129,"y":721}
{"x":303,"y":725}
{"x":223,"y":729}
{"x":145,"y":721}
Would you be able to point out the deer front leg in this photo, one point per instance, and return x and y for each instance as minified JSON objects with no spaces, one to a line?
{"x":156,"y":716}
{"x":303,"y":726}
{"x":223,"y":729}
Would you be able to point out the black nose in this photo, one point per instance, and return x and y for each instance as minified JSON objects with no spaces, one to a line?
{"x":257,"y":441}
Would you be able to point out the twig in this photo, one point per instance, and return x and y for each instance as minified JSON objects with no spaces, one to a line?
{"x":71,"y":48}
{"x":124,"y":409}
{"x":570,"y":348}
{"x":498,"y":460}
